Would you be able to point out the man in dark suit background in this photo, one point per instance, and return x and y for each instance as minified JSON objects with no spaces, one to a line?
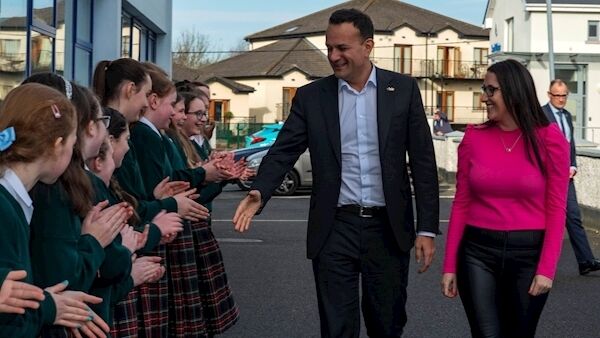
{"x":359,"y":124}
{"x":558,"y":94}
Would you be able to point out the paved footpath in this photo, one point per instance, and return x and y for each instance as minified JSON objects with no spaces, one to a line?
{"x":273,"y":283}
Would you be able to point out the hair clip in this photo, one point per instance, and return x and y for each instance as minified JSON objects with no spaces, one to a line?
{"x":7,"y":137}
{"x":55,"y":111}
{"x":68,"y":88}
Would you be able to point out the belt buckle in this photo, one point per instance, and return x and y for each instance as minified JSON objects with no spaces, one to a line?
{"x":362,"y":210}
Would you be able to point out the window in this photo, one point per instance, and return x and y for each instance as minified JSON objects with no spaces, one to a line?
{"x":13,"y":45}
{"x":478,"y":106}
{"x":403,"y":59}
{"x":445,"y":102}
{"x":593,"y":30}
{"x":83,"y":48}
{"x":481,"y":56}
{"x":137,"y":41}
{"x":217,"y":109}
{"x":510,"y":34}
{"x":286,"y":103}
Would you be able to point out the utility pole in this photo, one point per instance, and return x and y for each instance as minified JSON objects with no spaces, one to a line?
{"x":550,"y":39}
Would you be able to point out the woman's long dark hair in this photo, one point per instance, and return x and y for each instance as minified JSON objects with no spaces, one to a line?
{"x":520,"y":98}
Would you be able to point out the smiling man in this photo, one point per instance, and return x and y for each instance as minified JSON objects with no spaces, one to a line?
{"x":359,"y":124}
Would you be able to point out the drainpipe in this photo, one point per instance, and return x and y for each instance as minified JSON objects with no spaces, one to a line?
{"x":550,"y":39}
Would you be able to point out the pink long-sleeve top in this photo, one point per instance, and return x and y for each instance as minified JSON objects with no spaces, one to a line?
{"x":503,"y":190}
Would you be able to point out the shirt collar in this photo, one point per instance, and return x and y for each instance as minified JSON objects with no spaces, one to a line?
{"x":16,"y":188}
{"x":372,"y":80}
{"x":553,"y":108}
{"x":147,"y":122}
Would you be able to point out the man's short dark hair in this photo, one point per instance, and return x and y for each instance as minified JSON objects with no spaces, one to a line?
{"x":357,"y":18}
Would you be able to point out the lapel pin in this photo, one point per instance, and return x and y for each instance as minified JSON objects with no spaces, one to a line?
{"x":390,"y":89}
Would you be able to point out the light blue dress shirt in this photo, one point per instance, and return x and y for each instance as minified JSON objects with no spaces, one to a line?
{"x":561,"y":118}
{"x":361,"y":169}
{"x":12,"y":183}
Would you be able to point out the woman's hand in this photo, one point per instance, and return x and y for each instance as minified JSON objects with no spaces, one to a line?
{"x":166,"y":189}
{"x":71,"y":308}
{"x":95,"y":328}
{"x":449,"y":288}
{"x":146,"y":269}
{"x":190,"y":209}
{"x":168,"y":223}
{"x":16,"y":296}
{"x":540,"y":285}
{"x":105,"y":224}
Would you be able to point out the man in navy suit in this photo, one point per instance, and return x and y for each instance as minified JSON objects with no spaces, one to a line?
{"x":555,"y":112}
{"x":359,"y":124}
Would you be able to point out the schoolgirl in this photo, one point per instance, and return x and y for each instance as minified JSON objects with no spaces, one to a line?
{"x":38,"y":133}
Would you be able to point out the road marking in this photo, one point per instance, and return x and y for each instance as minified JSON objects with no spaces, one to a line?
{"x":239,"y":240}
{"x":264,"y":220}
{"x":290,"y":220}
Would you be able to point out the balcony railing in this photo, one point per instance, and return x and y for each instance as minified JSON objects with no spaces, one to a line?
{"x":443,"y":69}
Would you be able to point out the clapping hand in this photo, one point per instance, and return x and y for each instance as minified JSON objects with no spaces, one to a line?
{"x":16,"y":296}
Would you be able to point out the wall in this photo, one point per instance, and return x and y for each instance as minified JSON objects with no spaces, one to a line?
{"x":263,"y":103}
{"x":238,"y":103}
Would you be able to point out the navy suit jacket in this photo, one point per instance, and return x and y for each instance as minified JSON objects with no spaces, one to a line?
{"x":551,"y":118}
{"x":402,"y":128}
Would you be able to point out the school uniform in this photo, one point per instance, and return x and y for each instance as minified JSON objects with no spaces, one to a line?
{"x":16,"y":208}
{"x":114,"y":281}
{"x":186,"y":316}
{"x":219,"y":307}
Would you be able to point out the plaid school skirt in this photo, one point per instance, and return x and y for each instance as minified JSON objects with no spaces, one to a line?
{"x":186,"y":318}
{"x":125,"y":317}
{"x":219,"y":308}
{"x":152,"y":304}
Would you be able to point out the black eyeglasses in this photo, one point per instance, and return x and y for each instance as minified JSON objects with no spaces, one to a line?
{"x":105,"y":120}
{"x":559,"y":95}
{"x":489,"y":90}
{"x":199,"y":114}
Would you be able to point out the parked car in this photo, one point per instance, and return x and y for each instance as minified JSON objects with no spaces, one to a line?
{"x":299,"y":176}
{"x":265,"y":136}
{"x":245,"y":152}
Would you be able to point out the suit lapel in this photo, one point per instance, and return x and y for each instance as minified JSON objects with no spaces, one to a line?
{"x":331,"y":115}
{"x":385,"y":103}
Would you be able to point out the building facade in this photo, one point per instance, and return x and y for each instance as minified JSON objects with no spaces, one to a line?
{"x":448,"y":57}
{"x":70,"y":37}
{"x":518,"y":29}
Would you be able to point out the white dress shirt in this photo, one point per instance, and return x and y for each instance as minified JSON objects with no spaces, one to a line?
{"x":12,"y":183}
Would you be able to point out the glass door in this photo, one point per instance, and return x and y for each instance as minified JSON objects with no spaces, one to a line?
{"x":575,"y":78}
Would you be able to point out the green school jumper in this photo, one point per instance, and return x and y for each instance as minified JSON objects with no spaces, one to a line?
{"x":14,"y":255}
{"x":114,"y":280}
{"x":151,"y":155}
{"x":130,"y":178}
{"x":209,"y":191}
{"x":58,"y":249}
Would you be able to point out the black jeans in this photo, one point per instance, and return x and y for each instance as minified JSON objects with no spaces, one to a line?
{"x":494,"y":273}
{"x":361,"y":247}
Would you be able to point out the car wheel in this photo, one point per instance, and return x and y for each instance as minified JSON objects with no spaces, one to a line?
{"x":290,"y":183}
{"x":244,"y":185}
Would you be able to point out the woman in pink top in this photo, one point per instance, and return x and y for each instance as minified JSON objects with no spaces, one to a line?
{"x":506,"y":228}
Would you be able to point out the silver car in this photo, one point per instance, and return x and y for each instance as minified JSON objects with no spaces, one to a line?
{"x":299,"y":176}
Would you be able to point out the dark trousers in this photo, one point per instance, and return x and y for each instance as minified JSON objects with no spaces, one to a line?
{"x":495,"y":271}
{"x":577,"y":235}
{"x":361,"y":248}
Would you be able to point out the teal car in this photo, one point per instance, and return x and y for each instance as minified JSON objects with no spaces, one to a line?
{"x":265,"y":136}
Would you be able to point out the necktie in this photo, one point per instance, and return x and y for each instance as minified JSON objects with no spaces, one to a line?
{"x":560,"y":121}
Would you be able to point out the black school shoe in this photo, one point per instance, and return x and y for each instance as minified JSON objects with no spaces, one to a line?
{"x":589,"y":266}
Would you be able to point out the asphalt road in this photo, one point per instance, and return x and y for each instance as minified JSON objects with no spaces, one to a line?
{"x":273,"y":284}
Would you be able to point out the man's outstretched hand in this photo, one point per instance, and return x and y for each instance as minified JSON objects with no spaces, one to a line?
{"x":246,"y":210}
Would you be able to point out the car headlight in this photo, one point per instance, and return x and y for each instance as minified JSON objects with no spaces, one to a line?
{"x":255,"y":163}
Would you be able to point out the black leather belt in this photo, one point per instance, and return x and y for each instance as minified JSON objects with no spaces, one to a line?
{"x":361,"y":211}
